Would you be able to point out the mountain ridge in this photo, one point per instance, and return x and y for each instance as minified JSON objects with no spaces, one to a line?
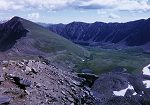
{"x":134,"y":33}
{"x":10,"y":32}
{"x":24,"y":33}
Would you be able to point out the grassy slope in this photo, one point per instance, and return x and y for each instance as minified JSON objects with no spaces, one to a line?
{"x":50,"y":42}
{"x":104,"y":60}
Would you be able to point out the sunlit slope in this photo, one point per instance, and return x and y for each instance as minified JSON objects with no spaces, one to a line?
{"x":50,"y":42}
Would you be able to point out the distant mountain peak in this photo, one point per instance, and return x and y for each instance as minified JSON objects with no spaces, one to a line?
{"x":134,"y":33}
{"x":11,"y":31}
{"x":22,"y":36}
{"x":16,"y":18}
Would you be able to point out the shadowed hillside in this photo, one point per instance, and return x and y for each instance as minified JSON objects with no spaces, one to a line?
{"x":25,"y":36}
{"x":133,"y":33}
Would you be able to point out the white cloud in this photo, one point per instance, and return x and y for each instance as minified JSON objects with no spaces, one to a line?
{"x":9,"y":5}
{"x":125,"y":5}
{"x":36,"y":4}
{"x":101,"y":12}
{"x":48,"y":4}
{"x":6,"y":18}
{"x":113,"y":16}
{"x":133,"y":5}
{"x":33,"y":16}
{"x":83,"y":11}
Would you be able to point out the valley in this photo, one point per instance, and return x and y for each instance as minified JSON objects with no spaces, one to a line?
{"x":111,"y":45}
{"x":104,"y":60}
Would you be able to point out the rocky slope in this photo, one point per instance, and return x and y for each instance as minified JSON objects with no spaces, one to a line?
{"x":122,"y":88}
{"x":33,"y":82}
{"x":38,"y":82}
{"x":133,"y":33}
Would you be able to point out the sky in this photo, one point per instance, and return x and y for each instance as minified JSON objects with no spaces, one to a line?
{"x":66,"y":11}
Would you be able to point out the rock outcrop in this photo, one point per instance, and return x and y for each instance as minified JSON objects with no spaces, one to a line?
{"x":120,"y":88}
{"x":33,"y":82}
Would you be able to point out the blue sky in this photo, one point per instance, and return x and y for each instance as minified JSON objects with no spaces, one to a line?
{"x":66,"y":11}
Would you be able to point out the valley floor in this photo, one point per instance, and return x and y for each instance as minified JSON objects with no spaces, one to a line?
{"x":105,"y":60}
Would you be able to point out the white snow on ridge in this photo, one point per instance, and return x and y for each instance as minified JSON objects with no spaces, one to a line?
{"x":147,"y":83}
{"x":122,"y":92}
{"x":146,"y":70}
{"x":134,"y":93}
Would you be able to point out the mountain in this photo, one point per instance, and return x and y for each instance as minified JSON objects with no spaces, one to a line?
{"x":10,"y":32}
{"x":134,"y":33}
{"x":57,"y":28}
{"x":35,"y":66}
{"x":20,"y":36}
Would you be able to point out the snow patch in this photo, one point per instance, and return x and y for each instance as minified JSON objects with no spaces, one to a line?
{"x":147,"y":83}
{"x":122,"y":92}
{"x":146,"y":70}
{"x":134,"y":93}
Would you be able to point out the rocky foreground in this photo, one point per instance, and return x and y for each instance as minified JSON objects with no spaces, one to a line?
{"x":121,"y":88}
{"x":31,"y":82}
{"x":38,"y":82}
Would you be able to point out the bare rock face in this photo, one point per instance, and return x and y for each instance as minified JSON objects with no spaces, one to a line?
{"x":30,"y":82}
{"x":120,"y":88}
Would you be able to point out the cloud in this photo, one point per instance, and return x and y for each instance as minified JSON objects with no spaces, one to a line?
{"x":34,"y":4}
{"x":119,"y":5}
{"x":108,"y":14}
{"x":83,"y":11}
{"x":95,"y":4}
{"x":33,"y":16}
{"x":101,"y":12}
{"x":6,"y":18}
{"x":113,"y":16}
{"x":122,"y":5}
{"x":133,"y":5}
{"x":47,"y":4}
{"x":9,"y":5}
